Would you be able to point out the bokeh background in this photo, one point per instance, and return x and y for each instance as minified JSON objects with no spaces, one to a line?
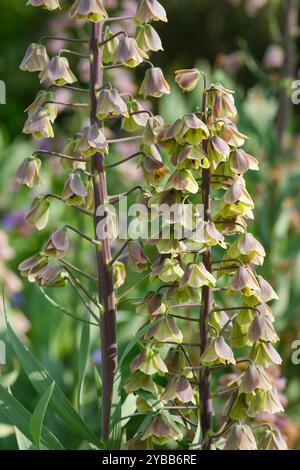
{"x":251,"y":46}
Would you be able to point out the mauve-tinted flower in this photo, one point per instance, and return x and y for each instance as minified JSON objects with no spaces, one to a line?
{"x":164,"y":331}
{"x":264,"y":354}
{"x":196,"y":275}
{"x":28,"y":172}
{"x":46,"y":4}
{"x":167,"y":270}
{"x":58,"y":72}
{"x":38,"y":214}
{"x":160,"y":430}
{"x":149,"y":362}
{"x":247,"y":249}
{"x":74,"y":192}
{"x":39,"y":102}
{"x":240,"y":437}
{"x":240,"y":161}
{"x":221,"y":102}
{"x":217,"y":352}
{"x":58,"y":244}
{"x":51,"y":276}
{"x":148,"y":39}
{"x":137,"y":256}
{"x":217,"y":149}
{"x":152,"y":305}
{"x":154,"y":83}
{"x":39,"y":125}
{"x":193,"y":130}
{"x":92,"y":140}
{"x":136,"y":443}
{"x":35,"y":59}
{"x":272,"y":439}
{"x":134,"y":121}
{"x":111,"y":104}
{"x":179,"y":388}
{"x":150,"y":10}
{"x":182,"y":180}
{"x":128,"y":53}
{"x":274,"y":57}
{"x":32,"y":265}
{"x":91,"y":10}
{"x":152,"y":130}
{"x":187,"y":79}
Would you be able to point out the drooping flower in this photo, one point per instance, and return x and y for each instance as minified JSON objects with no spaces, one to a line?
{"x":111,"y":104}
{"x":51,"y":276}
{"x":129,"y":53}
{"x":167,"y":269}
{"x":35,"y":59}
{"x":217,"y":149}
{"x":137,"y":256}
{"x":165,"y":330}
{"x":149,"y":362}
{"x":179,"y":388}
{"x":58,"y":244}
{"x":28,"y":172}
{"x":217,"y":352}
{"x":38,"y":214}
{"x":196,"y":276}
{"x":240,"y":437}
{"x":187,"y":79}
{"x":154,"y":84}
{"x":247,"y":249}
{"x":193,"y":131}
{"x":74,"y":191}
{"x":119,"y":272}
{"x":137,"y":118}
{"x":58,"y":72}
{"x":92,"y":140}
{"x":272,"y":439}
{"x":39,"y":124}
{"x":150,"y":10}
{"x":182,"y":180}
{"x":152,"y":305}
{"x":160,"y":430}
{"x":221,"y":102}
{"x":110,"y":46}
{"x":40,"y":102}
{"x":91,"y":10}
{"x":45,"y":4}
{"x":148,"y":39}
{"x":32,"y":265}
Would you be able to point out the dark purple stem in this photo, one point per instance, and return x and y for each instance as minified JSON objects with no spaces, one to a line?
{"x":105,"y":274}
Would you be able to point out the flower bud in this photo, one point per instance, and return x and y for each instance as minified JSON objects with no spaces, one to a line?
{"x":72,"y":150}
{"x":32,"y":265}
{"x":164,"y":331}
{"x":137,"y":256}
{"x":221,"y":102}
{"x":111,"y":104}
{"x":152,"y":305}
{"x":58,"y":72}
{"x":119,"y":272}
{"x":217,"y":352}
{"x":35,"y":59}
{"x":179,"y":388}
{"x":148,"y":39}
{"x":187,"y":79}
{"x":58,"y":244}
{"x":240,"y":162}
{"x":149,"y":362}
{"x":150,"y":10}
{"x":74,"y":192}
{"x":28,"y":172}
{"x":39,"y":101}
{"x":193,"y":130}
{"x":240,"y":437}
{"x":109,"y":47}
{"x":38,"y":214}
{"x":91,"y":10}
{"x":272,"y":439}
{"x":128,"y":53}
{"x":51,"y":276}
{"x":154,"y":84}
{"x":247,"y":249}
{"x":45,"y":4}
{"x":196,"y":276}
{"x":39,"y":124}
{"x":92,"y":141}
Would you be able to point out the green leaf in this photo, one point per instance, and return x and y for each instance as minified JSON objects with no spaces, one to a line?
{"x":83,"y":360}
{"x":18,"y":416}
{"x":41,"y":381}
{"x":37,"y":419}
{"x":22,"y":441}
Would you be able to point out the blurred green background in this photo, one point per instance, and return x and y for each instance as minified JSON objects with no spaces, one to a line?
{"x":243,"y":44}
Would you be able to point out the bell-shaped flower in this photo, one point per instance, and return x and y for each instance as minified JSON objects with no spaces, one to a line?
{"x":150,"y":10}
{"x":193,"y":130}
{"x":119,"y":274}
{"x":151,"y":305}
{"x":161,"y":430}
{"x":217,"y":352}
{"x":179,"y":388}
{"x":191,"y":157}
{"x":154,"y":84}
{"x":217,"y":149}
{"x":247,"y":249}
{"x":154,"y":169}
{"x":41,"y":102}
{"x":109,"y":47}
{"x":45,"y":4}
{"x":38,"y":214}
{"x":92,"y":141}
{"x":244,"y":281}
{"x":187,"y":79}
{"x":167,"y":269}
{"x":182,"y":180}
{"x":58,"y":72}
{"x":149,"y":362}
{"x":264,"y":354}
{"x":137,"y":117}
{"x":110,"y":104}
{"x":221,"y":102}
{"x":241,"y":162}
{"x":135,"y":444}
{"x":74,"y":192}
{"x":29,"y":267}
{"x":253,"y":379}
{"x":153,"y":129}
{"x":148,"y":39}
{"x":29,"y":172}
{"x":206,"y":234}
{"x":58,"y":244}
{"x":218,"y":320}
{"x":176,"y":362}
{"x":164,"y":331}
{"x":51,"y":276}
{"x":267,"y":292}
{"x":39,"y":125}
{"x":272,"y":439}
{"x":137,"y":256}
{"x":35,"y":59}
{"x":196,"y":276}
{"x":262,"y":329}
{"x":228,"y":131}
{"x":240,"y":437}
{"x":71,"y":150}
{"x":263,"y":400}
{"x":91,"y":10}
{"x":129,"y":53}
{"x":140,"y":381}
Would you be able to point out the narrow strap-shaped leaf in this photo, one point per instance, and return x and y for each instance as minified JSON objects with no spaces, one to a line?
{"x":37,"y":419}
{"x":83,"y":360}
{"x":20,"y":417}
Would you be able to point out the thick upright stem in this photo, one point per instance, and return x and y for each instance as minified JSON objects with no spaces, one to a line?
{"x":105,"y":274}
